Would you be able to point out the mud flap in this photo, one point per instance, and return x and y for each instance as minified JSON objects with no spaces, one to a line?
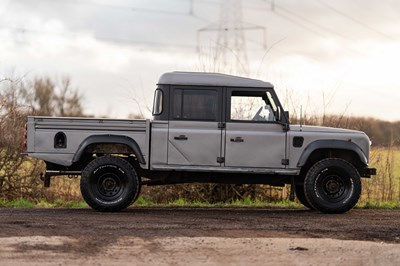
{"x":292,"y":189}
{"x":46,"y":179}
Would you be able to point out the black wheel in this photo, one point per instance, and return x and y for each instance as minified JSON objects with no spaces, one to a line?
{"x":302,"y":197}
{"x":109,"y":184}
{"x":332,"y":186}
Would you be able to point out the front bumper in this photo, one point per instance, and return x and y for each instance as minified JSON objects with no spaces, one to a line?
{"x":367,"y":172}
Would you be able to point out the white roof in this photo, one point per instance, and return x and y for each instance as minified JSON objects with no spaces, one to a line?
{"x":210,"y":79}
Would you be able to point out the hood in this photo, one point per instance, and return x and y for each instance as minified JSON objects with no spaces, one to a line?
{"x":323,"y":129}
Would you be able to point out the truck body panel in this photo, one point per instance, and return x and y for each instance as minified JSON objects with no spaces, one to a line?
{"x":42,"y":131}
{"x":194,"y":143}
{"x":310,"y":134}
{"x":259,"y":145}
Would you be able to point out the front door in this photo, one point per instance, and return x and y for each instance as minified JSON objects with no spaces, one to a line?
{"x":254,"y":138}
{"x":194,"y":137}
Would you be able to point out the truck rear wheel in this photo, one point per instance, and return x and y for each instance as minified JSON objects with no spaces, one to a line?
{"x":109,"y":184}
{"x":332,"y":186}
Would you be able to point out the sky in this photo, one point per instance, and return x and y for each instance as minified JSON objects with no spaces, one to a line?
{"x":324,"y":57}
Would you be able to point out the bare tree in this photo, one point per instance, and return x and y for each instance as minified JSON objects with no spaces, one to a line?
{"x":18,"y":99}
{"x":49,"y":99}
{"x":17,"y":174}
{"x":68,"y":102}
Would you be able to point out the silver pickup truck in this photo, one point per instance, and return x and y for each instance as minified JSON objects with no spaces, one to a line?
{"x":206,"y":127}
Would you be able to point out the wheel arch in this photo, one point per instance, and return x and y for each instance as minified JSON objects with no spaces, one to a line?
{"x":109,"y":139}
{"x":322,"y":149}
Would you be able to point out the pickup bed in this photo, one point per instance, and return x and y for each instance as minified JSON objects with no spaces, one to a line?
{"x":62,"y":141}
{"x":206,"y":127}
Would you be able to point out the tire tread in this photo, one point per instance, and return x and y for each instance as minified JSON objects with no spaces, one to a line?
{"x":85,"y":185}
{"x":310,"y":179}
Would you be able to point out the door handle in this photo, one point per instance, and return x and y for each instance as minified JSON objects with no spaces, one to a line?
{"x":237,"y":139}
{"x":181,"y":137}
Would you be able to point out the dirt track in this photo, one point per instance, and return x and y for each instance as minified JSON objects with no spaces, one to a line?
{"x":198,"y":236}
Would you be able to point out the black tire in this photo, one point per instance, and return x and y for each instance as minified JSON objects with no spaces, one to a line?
{"x":332,"y":186}
{"x":301,"y":196}
{"x":109,"y":184}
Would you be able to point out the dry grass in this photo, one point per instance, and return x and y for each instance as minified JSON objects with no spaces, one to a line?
{"x":378,"y":190}
{"x":385,"y":186}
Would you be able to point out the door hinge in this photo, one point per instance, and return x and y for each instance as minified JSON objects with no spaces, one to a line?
{"x":221,"y":125}
{"x":285,"y":161}
{"x":220,"y":159}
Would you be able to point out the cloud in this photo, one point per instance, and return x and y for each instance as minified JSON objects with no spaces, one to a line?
{"x":110,"y":49}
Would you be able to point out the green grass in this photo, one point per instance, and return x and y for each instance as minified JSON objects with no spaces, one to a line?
{"x":18,"y":203}
{"x":147,"y":202}
{"x":247,"y":202}
{"x":378,"y":205}
{"x":27,"y":204}
{"x":181,"y":202}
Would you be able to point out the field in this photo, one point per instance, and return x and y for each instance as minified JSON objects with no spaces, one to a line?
{"x":385,"y":186}
{"x":382,"y":190}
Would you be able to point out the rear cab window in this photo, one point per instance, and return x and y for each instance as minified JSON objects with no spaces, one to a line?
{"x":195,"y":104}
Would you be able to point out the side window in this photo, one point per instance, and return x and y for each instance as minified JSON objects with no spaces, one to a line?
{"x":158,"y":102}
{"x":252,"y":106}
{"x":195,"y":105}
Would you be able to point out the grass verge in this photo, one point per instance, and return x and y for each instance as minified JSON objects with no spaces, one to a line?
{"x":181,"y":202}
{"x":24,"y":203}
{"x":379,"y":205}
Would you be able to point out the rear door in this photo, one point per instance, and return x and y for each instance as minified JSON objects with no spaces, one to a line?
{"x":194,"y":137}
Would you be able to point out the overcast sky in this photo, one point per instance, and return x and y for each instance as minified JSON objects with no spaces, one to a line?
{"x":336,"y":56}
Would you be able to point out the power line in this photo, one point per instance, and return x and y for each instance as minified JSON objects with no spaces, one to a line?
{"x":211,"y":2}
{"x":111,"y":39}
{"x":323,"y":28}
{"x":295,"y":22}
{"x":25,"y":30}
{"x":230,"y":47}
{"x":105,"y":38}
{"x":125,"y":8}
{"x":360,"y":23}
{"x":305,"y":27}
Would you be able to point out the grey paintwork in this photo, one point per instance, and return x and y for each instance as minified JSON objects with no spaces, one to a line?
{"x":261,"y":145}
{"x":41,"y":132}
{"x":322,"y":136}
{"x":194,"y":143}
{"x":109,"y":139}
{"x":210,"y":79}
{"x":237,"y":147}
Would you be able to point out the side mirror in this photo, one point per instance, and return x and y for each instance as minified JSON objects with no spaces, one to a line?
{"x":279,"y":114}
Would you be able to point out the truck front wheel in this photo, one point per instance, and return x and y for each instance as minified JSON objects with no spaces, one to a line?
{"x":332,"y":186}
{"x":109,"y":183}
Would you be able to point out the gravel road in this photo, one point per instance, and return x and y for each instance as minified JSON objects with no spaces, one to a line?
{"x":198,"y":236}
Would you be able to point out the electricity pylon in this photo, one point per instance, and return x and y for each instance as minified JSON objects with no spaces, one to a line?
{"x":229,"y":49}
